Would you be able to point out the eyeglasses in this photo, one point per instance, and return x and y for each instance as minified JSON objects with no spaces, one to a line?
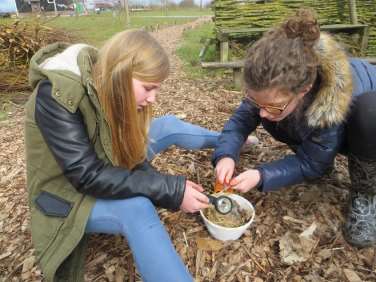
{"x":274,"y":110}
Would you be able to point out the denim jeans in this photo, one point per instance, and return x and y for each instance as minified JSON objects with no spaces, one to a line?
{"x":169,"y":130}
{"x":137,"y":219}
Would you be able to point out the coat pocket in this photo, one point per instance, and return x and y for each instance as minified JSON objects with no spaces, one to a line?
{"x":48,"y":214}
{"x":52,"y":205}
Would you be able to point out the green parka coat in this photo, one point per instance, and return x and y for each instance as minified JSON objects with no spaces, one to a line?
{"x":58,"y":237}
{"x":60,"y":242}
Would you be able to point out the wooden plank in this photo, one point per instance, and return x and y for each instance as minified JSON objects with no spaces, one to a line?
{"x":226,"y":33}
{"x":343,"y":27}
{"x":219,"y":65}
{"x":240,"y":63}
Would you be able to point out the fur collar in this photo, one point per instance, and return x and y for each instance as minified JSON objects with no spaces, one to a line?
{"x":66,"y":60}
{"x":333,"y":99}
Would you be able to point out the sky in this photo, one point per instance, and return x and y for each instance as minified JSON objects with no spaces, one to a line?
{"x":7,"y":6}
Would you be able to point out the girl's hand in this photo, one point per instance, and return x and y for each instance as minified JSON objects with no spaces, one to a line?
{"x":246,"y":180}
{"x":193,"y":200}
{"x":224,"y":170}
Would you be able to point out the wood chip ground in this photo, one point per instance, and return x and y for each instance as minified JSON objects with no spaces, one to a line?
{"x":254,"y":257}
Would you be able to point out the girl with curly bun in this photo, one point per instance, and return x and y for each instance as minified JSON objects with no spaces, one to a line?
{"x":307,"y":93}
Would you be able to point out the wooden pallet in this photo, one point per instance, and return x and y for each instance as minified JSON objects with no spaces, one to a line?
{"x":224,"y":35}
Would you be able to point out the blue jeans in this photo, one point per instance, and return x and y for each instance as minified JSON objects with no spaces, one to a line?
{"x":169,"y":130}
{"x":137,"y":219}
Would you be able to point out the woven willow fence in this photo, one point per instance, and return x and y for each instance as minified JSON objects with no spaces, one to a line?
{"x":251,"y":13}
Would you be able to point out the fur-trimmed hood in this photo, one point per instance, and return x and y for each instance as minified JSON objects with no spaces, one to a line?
{"x":333,"y":100}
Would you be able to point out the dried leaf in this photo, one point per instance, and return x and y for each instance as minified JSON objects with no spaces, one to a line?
{"x":109,"y":271}
{"x":208,"y":244}
{"x":120,"y":274}
{"x":351,"y":276}
{"x":325,"y":254}
{"x":294,"y":248}
{"x":5,"y":255}
{"x":309,"y":231}
{"x":28,"y":264}
{"x":181,"y":115}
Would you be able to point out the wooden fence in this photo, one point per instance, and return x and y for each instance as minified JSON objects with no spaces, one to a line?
{"x":255,"y":13}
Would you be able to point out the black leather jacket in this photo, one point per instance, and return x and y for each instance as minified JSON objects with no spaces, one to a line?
{"x":66,"y":136}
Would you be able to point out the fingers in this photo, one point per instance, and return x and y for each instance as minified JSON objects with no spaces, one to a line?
{"x":195,"y":208}
{"x":236,"y":180}
{"x":246,"y":180}
{"x":194,"y":200}
{"x":228,"y":176}
{"x":225,"y":170}
{"x":224,"y":175}
{"x":235,"y":183}
{"x":201,"y":198}
{"x":239,"y":183}
{"x":197,"y":192}
{"x":195,"y":186}
{"x":220,"y":175}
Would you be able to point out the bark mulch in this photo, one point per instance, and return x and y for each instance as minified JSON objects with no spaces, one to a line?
{"x":296,"y":235}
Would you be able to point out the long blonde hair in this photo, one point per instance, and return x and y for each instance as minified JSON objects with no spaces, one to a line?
{"x":128,"y":54}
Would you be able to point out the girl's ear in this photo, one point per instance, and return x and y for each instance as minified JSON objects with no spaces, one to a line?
{"x":305,"y":90}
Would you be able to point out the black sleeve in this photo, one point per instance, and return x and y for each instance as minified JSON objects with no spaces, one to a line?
{"x":66,"y":136}
{"x":244,"y":120}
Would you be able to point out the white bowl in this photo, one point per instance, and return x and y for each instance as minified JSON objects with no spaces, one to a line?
{"x":230,"y":233}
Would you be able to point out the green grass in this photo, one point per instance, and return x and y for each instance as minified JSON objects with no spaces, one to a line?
{"x":176,"y":12}
{"x":95,"y":29}
{"x":190,"y":47}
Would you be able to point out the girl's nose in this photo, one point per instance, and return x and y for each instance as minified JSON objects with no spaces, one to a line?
{"x":263,"y":113}
{"x":151,"y":98}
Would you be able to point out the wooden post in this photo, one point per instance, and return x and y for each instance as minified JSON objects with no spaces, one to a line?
{"x":238,"y":79}
{"x":353,"y":13}
{"x":364,"y":41}
{"x":75,"y":8}
{"x":126,"y":12}
{"x":224,"y":48}
{"x":354,"y":20}
{"x":15,"y":6}
{"x":55,"y":7}
{"x":165,"y":7}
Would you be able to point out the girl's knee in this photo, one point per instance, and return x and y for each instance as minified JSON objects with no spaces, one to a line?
{"x":137,"y":205}
{"x":166,"y":126}
{"x":138,"y":214}
{"x":169,"y":118}
{"x":162,"y":126}
{"x":114,"y":208}
{"x":168,"y":121}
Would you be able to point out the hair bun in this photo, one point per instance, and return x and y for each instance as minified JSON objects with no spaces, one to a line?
{"x":304,"y":25}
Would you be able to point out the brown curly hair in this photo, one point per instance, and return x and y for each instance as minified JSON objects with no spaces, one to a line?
{"x":284,"y":57}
